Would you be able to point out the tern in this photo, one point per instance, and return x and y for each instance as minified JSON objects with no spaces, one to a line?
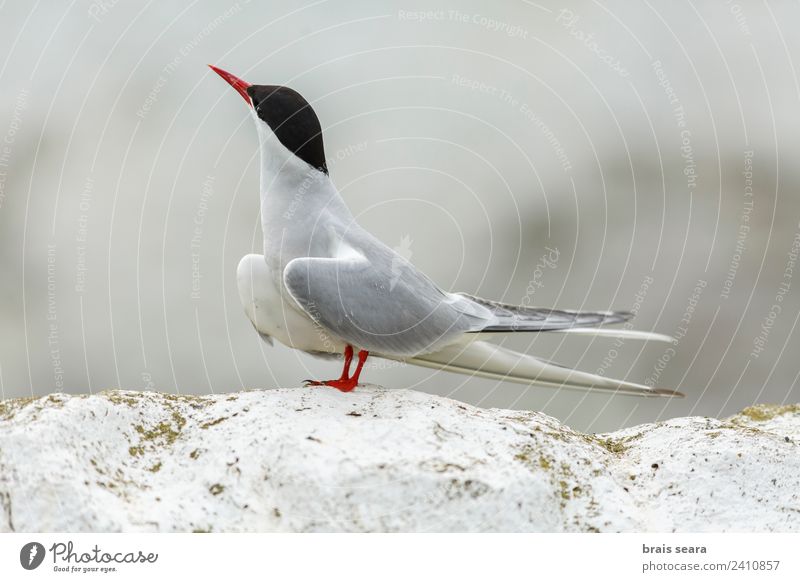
{"x":326,"y":286}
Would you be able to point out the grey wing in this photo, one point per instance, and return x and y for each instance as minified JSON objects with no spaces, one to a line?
{"x":505,"y":317}
{"x":383,"y":305}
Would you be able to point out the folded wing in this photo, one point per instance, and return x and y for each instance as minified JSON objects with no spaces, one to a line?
{"x":372,"y":308}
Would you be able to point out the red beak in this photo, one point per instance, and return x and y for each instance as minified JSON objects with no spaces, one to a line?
{"x":235,"y":82}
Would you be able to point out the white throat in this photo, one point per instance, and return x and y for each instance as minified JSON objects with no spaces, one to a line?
{"x":291,"y":189}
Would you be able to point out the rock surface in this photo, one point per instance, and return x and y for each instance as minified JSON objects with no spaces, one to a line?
{"x":312,"y":459}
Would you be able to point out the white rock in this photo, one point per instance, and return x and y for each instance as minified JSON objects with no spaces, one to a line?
{"x":313,"y":459}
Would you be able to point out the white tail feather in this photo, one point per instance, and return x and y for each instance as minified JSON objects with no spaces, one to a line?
{"x":619,"y":333}
{"x":488,"y":360}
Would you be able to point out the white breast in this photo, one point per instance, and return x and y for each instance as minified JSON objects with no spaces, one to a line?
{"x":274,"y":313}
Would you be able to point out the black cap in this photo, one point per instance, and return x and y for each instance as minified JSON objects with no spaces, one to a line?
{"x":292,"y":120}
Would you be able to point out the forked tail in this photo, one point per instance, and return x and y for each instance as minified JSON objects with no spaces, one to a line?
{"x":480,"y":358}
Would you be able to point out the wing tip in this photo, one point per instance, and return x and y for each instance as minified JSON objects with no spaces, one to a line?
{"x":621,"y":315}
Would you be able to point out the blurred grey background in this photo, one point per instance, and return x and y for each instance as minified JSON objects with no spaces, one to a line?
{"x":581,"y":155}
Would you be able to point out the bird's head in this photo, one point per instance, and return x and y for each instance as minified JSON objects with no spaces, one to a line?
{"x":287,"y":125}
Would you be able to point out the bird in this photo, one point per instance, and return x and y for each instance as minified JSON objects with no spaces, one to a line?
{"x":328,"y":287}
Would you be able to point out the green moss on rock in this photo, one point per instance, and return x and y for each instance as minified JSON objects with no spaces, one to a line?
{"x":765,"y":412}
{"x":214,"y":422}
{"x":9,"y":408}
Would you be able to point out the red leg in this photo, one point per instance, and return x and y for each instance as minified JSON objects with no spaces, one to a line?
{"x":348,"y":357}
{"x":362,"y":357}
{"x":346,"y":382}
